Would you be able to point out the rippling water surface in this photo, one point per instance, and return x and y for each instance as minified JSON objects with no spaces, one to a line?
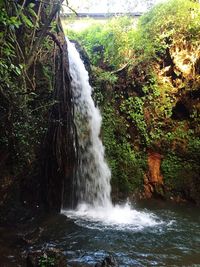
{"x":149,"y":234}
{"x":158,"y":234}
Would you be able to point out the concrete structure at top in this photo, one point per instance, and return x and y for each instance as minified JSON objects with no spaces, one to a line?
{"x":100,"y":15}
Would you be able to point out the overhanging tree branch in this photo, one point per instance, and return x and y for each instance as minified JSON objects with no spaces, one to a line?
{"x":43,"y":33}
{"x":122,"y":68}
{"x":70,"y":8}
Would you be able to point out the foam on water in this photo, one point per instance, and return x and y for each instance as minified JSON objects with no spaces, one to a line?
{"x":118,"y":217}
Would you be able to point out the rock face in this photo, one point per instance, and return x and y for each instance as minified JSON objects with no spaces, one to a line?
{"x":185,"y":57}
{"x":153,"y":179}
{"x":154,"y":163}
{"x":158,"y":98}
{"x":109,"y":261}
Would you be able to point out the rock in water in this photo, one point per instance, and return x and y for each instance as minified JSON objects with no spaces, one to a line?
{"x":109,"y":261}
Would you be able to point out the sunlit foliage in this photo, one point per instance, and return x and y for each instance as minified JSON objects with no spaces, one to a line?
{"x":157,"y":94}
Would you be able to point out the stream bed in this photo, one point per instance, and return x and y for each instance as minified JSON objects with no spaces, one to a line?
{"x":173,"y":239}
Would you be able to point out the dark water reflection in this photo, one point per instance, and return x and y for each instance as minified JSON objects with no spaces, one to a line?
{"x":174,"y":243}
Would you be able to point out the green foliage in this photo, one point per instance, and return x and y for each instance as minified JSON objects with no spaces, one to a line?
{"x":193,"y":146}
{"x":133,"y":107}
{"x":165,"y":22}
{"x":104,"y":76}
{"x":10,"y":64}
{"x":149,"y":128}
{"x":127,"y":165}
{"x":102,"y":82}
{"x":24,"y":96}
{"x":7,"y":51}
{"x":180,"y":174}
{"x":146,"y":93}
{"x":172,"y":168}
{"x":109,"y":42}
{"x":46,"y":261}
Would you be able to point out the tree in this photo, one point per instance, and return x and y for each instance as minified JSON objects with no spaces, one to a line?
{"x":34,"y":83}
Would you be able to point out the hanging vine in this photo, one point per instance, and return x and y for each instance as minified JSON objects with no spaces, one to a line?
{"x":35,"y":82}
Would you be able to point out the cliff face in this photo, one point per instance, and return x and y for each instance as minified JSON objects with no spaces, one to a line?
{"x":160,"y":103}
{"x":153,"y":179}
{"x":150,"y":105}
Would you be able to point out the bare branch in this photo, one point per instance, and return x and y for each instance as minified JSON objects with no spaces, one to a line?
{"x":122,"y":68}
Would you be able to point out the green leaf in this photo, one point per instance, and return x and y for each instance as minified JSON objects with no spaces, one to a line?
{"x":31,"y":10}
{"x":14,"y":21}
{"x":31,"y":5}
{"x":27,"y":21}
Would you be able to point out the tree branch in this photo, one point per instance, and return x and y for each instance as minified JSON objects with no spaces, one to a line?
{"x":119,"y":70}
{"x":55,"y":39}
{"x":43,"y":32}
{"x":70,"y":8}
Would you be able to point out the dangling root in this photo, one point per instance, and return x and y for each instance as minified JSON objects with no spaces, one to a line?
{"x":61,"y":139}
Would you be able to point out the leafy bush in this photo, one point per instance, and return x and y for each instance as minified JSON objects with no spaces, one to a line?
{"x":110,"y":41}
{"x":127,"y":165}
{"x":173,"y":19}
{"x":181,"y":176}
{"x":121,"y":41}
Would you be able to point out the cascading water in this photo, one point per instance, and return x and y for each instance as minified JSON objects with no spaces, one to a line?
{"x":92,"y":182}
{"x":93,"y":175}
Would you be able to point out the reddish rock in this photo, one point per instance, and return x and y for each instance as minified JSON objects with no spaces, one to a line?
{"x":153,"y":179}
{"x":154,"y":162}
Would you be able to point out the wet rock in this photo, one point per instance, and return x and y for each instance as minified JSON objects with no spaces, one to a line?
{"x":33,"y":236}
{"x":96,"y":259}
{"x":108,"y":261}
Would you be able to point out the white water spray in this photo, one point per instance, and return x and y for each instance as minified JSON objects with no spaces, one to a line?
{"x":93,"y":176}
{"x":92,"y":184}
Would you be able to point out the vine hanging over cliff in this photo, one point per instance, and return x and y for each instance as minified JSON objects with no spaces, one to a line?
{"x":35,"y":105}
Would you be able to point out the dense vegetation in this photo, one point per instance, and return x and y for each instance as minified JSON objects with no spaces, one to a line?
{"x":33,"y":111}
{"x":146,"y":79}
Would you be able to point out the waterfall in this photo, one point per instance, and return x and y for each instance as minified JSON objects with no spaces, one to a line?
{"x":92,"y":182}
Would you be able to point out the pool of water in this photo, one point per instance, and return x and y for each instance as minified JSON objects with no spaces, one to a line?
{"x":171,"y":239}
